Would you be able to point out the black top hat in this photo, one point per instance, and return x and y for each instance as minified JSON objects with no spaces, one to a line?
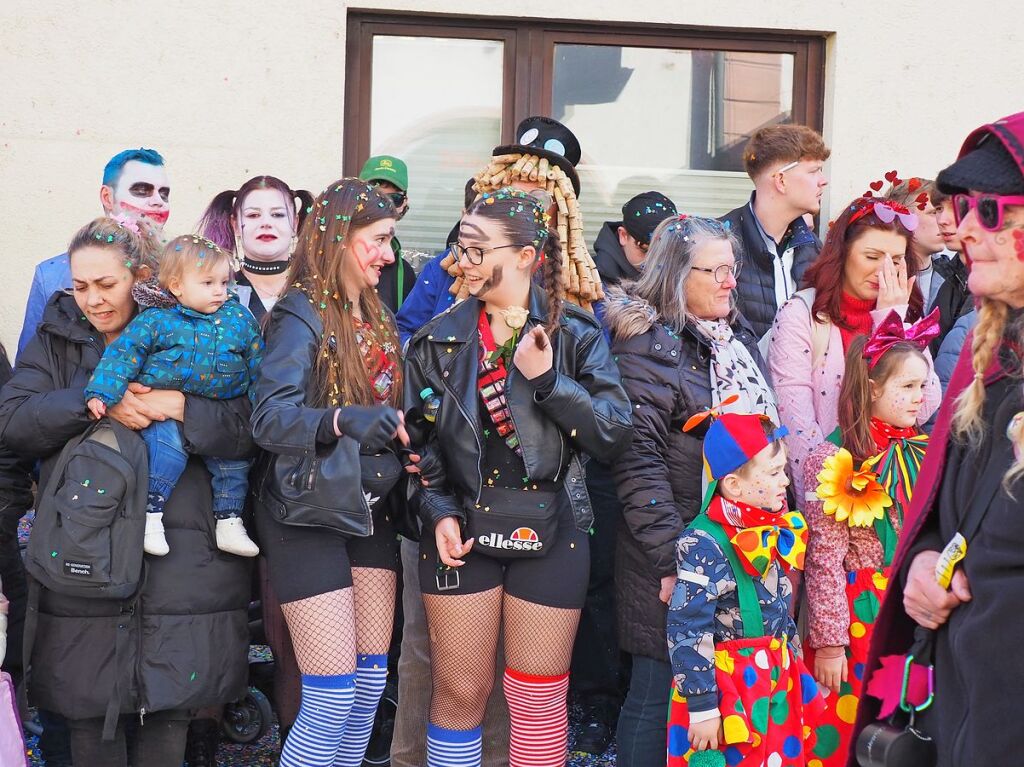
{"x":544,"y":137}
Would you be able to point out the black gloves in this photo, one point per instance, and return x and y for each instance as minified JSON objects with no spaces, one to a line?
{"x":370,"y":426}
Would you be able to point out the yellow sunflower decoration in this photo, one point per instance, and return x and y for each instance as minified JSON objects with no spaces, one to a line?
{"x":851,"y":495}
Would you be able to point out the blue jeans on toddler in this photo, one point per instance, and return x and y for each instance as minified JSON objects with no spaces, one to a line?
{"x":167,"y":459}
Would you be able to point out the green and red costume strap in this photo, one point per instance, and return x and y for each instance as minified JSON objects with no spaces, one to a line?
{"x":491,"y":385}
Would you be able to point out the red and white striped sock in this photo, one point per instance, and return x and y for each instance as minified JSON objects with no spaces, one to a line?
{"x":539,"y":719}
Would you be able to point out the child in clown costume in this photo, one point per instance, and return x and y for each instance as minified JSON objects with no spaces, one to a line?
{"x":741,"y":689}
{"x":863,"y":478}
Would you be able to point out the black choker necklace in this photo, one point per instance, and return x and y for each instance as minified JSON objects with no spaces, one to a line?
{"x":262,"y":267}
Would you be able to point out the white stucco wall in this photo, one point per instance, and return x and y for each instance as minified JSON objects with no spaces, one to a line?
{"x":229,"y":89}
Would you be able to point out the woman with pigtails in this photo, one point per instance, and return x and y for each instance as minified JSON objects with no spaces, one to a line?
{"x":326,"y":489}
{"x":506,"y":391}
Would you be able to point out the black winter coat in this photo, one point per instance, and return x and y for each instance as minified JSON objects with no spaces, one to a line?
{"x":755,"y":291}
{"x":668,"y":378}
{"x":587,"y":412}
{"x":188,"y":636}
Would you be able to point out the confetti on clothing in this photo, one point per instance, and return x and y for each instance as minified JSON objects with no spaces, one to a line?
{"x":864,"y":592}
{"x":769,"y":704}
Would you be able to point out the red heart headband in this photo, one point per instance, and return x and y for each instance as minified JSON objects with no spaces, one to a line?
{"x":892,"y":332}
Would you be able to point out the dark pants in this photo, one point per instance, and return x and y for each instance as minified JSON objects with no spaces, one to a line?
{"x":642,"y":734}
{"x":167,"y":459}
{"x":158,"y":742}
{"x":597,"y":671}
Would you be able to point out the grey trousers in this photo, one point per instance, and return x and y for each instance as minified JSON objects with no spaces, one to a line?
{"x":409,"y":746}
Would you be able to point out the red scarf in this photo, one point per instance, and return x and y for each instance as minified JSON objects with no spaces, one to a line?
{"x":855,"y":318}
{"x":885,"y":434}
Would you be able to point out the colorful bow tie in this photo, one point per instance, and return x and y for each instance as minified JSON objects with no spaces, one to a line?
{"x":763,"y":536}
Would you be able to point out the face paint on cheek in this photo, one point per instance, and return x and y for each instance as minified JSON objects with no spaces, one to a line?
{"x":1018,"y":243}
{"x":491,"y":282}
{"x":156,"y":216}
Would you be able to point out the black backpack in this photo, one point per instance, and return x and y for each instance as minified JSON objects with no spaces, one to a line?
{"x":87,"y":537}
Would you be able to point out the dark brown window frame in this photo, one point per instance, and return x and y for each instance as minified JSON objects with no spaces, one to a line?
{"x":527,"y":42}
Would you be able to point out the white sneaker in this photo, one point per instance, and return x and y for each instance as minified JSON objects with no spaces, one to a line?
{"x":232,"y":538}
{"x":155,"y":543}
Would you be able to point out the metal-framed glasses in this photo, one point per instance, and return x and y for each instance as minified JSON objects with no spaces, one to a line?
{"x":475,"y":255}
{"x":721,"y":272}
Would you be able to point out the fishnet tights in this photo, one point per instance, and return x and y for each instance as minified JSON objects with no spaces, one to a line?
{"x":323,"y":632}
{"x":463,"y":642}
{"x":375,"y":608}
{"x":329,"y":629}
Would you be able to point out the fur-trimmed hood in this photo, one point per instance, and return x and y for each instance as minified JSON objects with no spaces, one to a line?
{"x":627,"y":315}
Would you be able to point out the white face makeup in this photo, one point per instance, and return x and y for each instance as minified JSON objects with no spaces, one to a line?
{"x":898,"y":401}
{"x":142,"y":191}
{"x":265,"y":224}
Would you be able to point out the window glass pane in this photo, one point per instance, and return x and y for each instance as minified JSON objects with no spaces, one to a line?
{"x":436,"y":104}
{"x":670,"y":120}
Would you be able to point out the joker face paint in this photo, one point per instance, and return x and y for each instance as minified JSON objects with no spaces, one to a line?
{"x":142,"y":191}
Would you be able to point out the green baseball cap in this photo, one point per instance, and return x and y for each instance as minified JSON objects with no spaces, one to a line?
{"x":385,"y":167}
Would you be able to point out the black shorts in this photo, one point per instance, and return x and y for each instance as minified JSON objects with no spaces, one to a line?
{"x":557,"y":579}
{"x":303,"y":562}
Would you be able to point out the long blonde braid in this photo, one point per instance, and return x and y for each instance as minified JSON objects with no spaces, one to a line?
{"x":967,"y":420}
{"x":579,"y":273}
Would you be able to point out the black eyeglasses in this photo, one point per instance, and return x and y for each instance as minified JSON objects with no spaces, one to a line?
{"x":474,"y":254}
{"x":989,"y":207}
{"x":397,"y":198}
{"x":721,"y":272}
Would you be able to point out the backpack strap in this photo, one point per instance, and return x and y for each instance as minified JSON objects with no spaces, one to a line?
{"x":821,"y":327}
{"x":750,"y":606}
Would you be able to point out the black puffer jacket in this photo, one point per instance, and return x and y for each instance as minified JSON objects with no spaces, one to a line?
{"x":668,"y":378}
{"x":587,"y":412}
{"x":188,"y":636}
{"x":755,"y":292}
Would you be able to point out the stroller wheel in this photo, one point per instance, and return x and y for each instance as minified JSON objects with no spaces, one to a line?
{"x":378,"y":751}
{"x":247,"y":719}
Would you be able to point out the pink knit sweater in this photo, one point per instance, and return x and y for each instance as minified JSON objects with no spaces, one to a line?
{"x":809,"y":399}
{"x":833,"y":549}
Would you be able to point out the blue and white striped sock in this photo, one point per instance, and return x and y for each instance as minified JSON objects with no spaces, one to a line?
{"x":454,"y":748}
{"x":371,"y":674}
{"x":316,"y":735}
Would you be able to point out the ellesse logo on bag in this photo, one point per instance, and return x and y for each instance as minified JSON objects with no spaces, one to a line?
{"x":521,"y":539}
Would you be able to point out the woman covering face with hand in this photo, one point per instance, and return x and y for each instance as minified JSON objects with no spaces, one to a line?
{"x":191,"y":610}
{"x":505,"y":392}
{"x":325,"y":414}
{"x":863,"y":273}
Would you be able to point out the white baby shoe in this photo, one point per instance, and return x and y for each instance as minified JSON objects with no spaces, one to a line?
{"x":232,"y":538}
{"x":155,"y":543}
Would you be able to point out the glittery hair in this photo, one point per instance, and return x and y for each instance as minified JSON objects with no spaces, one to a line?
{"x":137,"y":245}
{"x":189,"y":251}
{"x":344,"y":207}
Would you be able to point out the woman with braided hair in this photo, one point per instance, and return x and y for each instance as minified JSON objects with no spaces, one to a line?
{"x":543,"y":158}
{"x":506,"y":390}
{"x":327,"y":487}
{"x":960,"y":556}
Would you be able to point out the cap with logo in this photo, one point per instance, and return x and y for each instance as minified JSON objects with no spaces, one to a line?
{"x":642,"y":214}
{"x":385,"y":167}
{"x":547,"y":138}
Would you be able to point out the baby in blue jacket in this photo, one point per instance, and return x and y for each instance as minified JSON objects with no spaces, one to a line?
{"x":195,"y":338}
